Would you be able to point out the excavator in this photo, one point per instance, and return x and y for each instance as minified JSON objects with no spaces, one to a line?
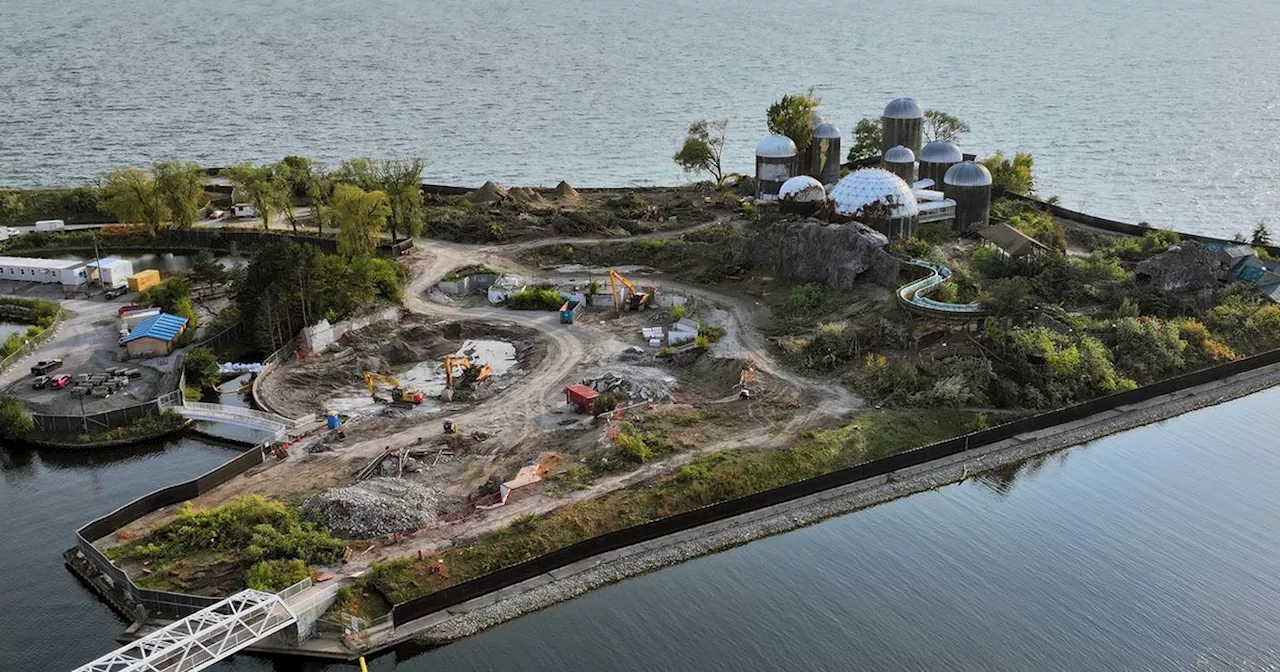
{"x":471,"y":376}
{"x":399,"y":393}
{"x":636,"y":300}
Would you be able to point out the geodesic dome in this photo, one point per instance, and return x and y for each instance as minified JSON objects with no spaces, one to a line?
{"x":873,"y":185}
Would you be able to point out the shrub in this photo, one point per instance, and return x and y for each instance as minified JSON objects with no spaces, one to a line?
{"x":1148,"y":348}
{"x":631,"y":444}
{"x":1158,"y":240}
{"x":936,"y":233}
{"x":15,"y":421}
{"x":678,"y":312}
{"x":711,"y":333}
{"x":701,"y":342}
{"x":604,"y":403}
{"x":274,"y":576}
{"x":201,"y":368}
{"x":536,"y":298}
{"x":990,"y":262}
{"x":805,"y":299}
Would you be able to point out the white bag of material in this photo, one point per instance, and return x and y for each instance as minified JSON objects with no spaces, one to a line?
{"x":655,"y":342}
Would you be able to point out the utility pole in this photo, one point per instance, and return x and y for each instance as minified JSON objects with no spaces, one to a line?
{"x":98,"y":261}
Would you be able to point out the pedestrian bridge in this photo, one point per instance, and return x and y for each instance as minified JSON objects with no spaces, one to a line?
{"x":276,"y":425}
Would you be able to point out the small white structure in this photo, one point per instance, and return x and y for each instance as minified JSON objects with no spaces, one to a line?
{"x":67,"y":272}
{"x":6,"y":233}
{"x":51,"y":225}
{"x":504,"y":287}
{"x":112,"y":271}
{"x":243,"y":211}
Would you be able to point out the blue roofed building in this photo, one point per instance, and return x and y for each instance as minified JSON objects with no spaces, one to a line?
{"x":155,"y":336}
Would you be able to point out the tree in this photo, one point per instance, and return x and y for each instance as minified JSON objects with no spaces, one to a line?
{"x":1009,"y":298}
{"x":793,"y":117}
{"x":401,"y":181}
{"x":201,"y":368}
{"x":1011,"y":175}
{"x":1261,"y":236}
{"x":180,"y":186}
{"x":866,"y":143}
{"x":131,"y":196}
{"x":260,"y":187}
{"x":206,"y":270}
{"x":703,"y":149}
{"x":939,"y":125}
{"x":360,"y":216}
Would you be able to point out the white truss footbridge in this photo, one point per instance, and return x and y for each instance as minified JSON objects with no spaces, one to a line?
{"x":203,"y":638}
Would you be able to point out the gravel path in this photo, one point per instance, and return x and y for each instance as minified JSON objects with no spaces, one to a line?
{"x":570,"y":582}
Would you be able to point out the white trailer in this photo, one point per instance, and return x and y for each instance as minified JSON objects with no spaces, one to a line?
{"x":51,"y":225}
{"x":243,"y":211}
{"x":113,"y":272}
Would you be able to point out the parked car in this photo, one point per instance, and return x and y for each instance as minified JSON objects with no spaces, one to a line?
{"x":115,"y":292}
{"x":133,"y":373}
{"x":40,"y":383}
{"x":62,"y":381}
{"x":46,"y":366}
{"x":79,"y":391}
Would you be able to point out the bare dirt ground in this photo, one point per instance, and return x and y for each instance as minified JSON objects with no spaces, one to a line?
{"x":528,"y":420}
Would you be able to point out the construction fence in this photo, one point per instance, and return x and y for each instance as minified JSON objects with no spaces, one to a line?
{"x":93,"y":422}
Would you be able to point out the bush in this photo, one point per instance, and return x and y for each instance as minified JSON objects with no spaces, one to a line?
{"x":15,"y":421}
{"x":1159,"y":240}
{"x":992,"y":263}
{"x":201,"y":368}
{"x":1147,"y":348}
{"x":678,"y":312}
{"x":604,"y":403}
{"x":536,"y":298}
{"x":804,"y":300}
{"x":710,"y":332}
{"x":274,"y":576}
{"x":935,"y":233}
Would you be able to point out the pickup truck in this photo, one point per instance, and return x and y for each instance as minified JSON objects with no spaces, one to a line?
{"x":44,"y":367}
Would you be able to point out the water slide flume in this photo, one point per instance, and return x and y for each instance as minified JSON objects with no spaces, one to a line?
{"x":914,"y":295}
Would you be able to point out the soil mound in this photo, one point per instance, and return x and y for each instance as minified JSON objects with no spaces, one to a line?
{"x":490,"y":192}
{"x":374,"y":507}
{"x":527,"y":196}
{"x":566,"y":192}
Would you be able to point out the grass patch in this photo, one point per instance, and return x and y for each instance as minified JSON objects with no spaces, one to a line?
{"x":468,"y":271}
{"x":536,"y":298}
{"x":704,"y":481}
{"x":144,"y":427}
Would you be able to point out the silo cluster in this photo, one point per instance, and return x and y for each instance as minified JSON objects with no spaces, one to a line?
{"x":936,"y":158}
{"x":969,"y":185}
{"x":901,"y":162}
{"x":775,"y":163}
{"x":903,"y":124}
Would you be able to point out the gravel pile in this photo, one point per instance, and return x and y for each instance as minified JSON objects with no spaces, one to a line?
{"x":650,"y":386}
{"x":374,"y":507}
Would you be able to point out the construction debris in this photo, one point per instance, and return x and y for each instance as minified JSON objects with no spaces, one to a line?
{"x":653,"y":386}
{"x":374,"y":507}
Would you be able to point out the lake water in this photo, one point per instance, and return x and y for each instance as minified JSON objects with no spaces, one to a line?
{"x":1150,"y":550}
{"x":1160,"y":110}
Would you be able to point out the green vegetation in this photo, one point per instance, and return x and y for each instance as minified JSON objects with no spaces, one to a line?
{"x":260,"y":187}
{"x":1011,"y":174}
{"x":180,"y":188}
{"x":793,"y":117}
{"x":939,"y":125}
{"x":288,"y":285}
{"x":131,"y":195}
{"x":400,"y":182}
{"x":536,"y":298}
{"x":712,"y":233}
{"x":710,"y":332}
{"x":1031,"y":220}
{"x":706,"y":480}
{"x":79,"y":205}
{"x":468,"y":271}
{"x":244,"y":533}
{"x":201,"y":368}
{"x":678,"y":312}
{"x":147,"y":426}
{"x":37,"y":313}
{"x":15,"y":421}
{"x":867,"y":137}
{"x":1260,"y":237}
{"x":360,"y":216}
{"x":173,"y":296}
{"x":703,"y":148}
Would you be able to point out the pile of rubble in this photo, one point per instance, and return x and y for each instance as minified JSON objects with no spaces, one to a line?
{"x":656,"y":386}
{"x":374,"y":508}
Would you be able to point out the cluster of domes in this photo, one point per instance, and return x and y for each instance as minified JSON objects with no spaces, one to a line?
{"x":873,"y":185}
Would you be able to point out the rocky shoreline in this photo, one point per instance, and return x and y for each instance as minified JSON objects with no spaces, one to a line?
{"x":570,"y":582}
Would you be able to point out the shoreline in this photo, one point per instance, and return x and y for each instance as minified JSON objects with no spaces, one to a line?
{"x":567,"y":583}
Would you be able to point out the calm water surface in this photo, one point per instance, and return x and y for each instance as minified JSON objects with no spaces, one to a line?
{"x":1159,"y":110}
{"x":1150,"y":550}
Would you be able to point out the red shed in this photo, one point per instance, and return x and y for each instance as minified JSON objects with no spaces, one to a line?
{"x":581,"y":396}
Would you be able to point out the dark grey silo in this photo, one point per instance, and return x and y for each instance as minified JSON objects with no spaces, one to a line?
{"x":935,"y":159}
{"x":903,"y":123}
{"x":969,"y":185}
{"x":901,"y":162}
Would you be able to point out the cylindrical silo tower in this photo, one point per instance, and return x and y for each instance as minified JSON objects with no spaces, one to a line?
{"x":901,"y":162}
{"x":775,"y":164}
{"x":903,"y":123}
{"x":969,"y":185}
{"x":824,"y":153}
{"x":936,"y":158}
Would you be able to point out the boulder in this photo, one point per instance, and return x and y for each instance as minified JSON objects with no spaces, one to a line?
{"x":1188,"y":266}
{"x":837,"y":255}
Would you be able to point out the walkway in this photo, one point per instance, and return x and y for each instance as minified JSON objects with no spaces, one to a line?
{"x":203,"y":638}
{"x":277,"y":425}
{"x":914,"y":295}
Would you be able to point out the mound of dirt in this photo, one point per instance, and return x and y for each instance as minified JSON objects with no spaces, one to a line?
{"x":527,"y":196}
{"x":566,"y":192}
{"x":374,"y":507}
{"x":490,"y":192}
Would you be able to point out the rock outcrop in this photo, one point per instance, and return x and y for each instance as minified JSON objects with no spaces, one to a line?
{"x":1188,"y":266}
{"x":837,"y":255}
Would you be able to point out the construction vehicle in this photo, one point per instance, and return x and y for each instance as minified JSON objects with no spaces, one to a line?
{"x":636,"y":300}
{"x":450,"y":427}
{"x":399,"y":393}
{"x":471,"y":375}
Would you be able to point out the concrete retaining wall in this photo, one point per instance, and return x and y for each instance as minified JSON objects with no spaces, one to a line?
{"x":471,"y":283}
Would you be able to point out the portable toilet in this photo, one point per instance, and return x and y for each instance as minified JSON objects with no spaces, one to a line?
{"x":332,"y":421}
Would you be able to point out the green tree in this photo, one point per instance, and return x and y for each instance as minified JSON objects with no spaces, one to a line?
{"x":180,"y":186}
{"x":131,"y":196}
{"x":1008,"y":299}
{"x":201,"y":368}
{"x":15,"y":421}
{"x":401,"y":181}
{"x":939,"y":125}
{"x":206,"y":270}
{"x":793,"y":116}
{"x":703,"y":149}
{"x":360,"y":216}
{"x":1261,"y":237}
{"x":167,"y":294}
{"x":1012,"y":175}
{"x":866,"y":142}
{"x":260,"y":187}
{"x":296,"y":173}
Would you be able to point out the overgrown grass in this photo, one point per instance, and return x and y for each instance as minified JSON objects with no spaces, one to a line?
{"x":144,"y":427}
{"x":536,"y":298}
{"x":704,"y":481}
{"x":468,"y":271}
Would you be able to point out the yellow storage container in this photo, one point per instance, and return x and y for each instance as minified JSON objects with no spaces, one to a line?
{"x":144,"y":280}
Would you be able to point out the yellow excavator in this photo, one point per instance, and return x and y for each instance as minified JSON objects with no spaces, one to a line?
{"x":635,"y":301}
{"x":471,"y":375}
{"x":399,"y":393}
